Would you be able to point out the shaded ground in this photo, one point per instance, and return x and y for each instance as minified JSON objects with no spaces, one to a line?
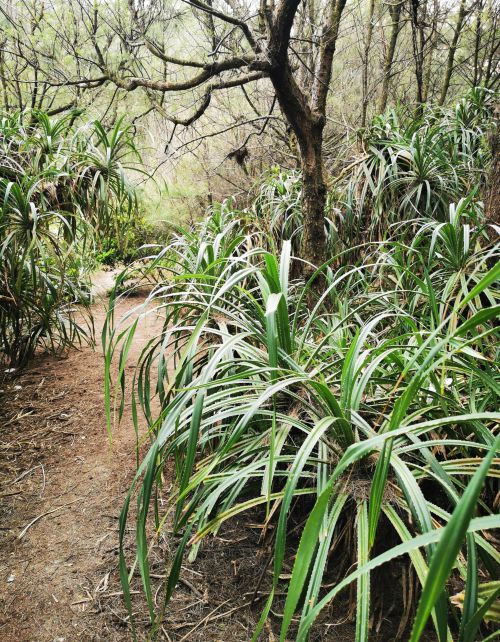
{"x":62,"y":488}
{"x":61,"y":491}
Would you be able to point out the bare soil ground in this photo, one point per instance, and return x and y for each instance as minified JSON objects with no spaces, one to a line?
{"x":61,"y":490}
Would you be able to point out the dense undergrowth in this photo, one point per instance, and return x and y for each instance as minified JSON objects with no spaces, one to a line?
{"x":364,"y":410}
{"x":410,"y":167}
{"x":66,"y":204}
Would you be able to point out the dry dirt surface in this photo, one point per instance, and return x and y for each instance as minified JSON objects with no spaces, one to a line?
{"x":61,"y":490}
{"x":62,"y":487}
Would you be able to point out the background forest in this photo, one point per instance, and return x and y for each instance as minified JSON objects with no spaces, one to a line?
{"x":77,"y":55}
{"x":304,"y":196}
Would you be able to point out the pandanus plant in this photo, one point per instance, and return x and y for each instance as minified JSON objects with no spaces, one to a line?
{"x":38,"y":288}
{"x":63,"y":190}
{"x":104,"y":190}
{"x":416,"y":166}
{"x":372,"y":404}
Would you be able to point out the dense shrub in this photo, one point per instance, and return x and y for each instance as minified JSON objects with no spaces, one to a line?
{"x":413,"y":166}
{"x":362,"y":413}
{"x":63,"y":195}
{"x":377,"y":401}
{"x":416,"y":165}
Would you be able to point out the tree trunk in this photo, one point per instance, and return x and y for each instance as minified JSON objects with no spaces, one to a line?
{"x":433,"y":43}
{"x":366,"y":59}
{"x":306,"y":115}
{"x":452,"y":51}
{"x":478,"y":72}
{"x":3,"y":81}
{"x":395,"y":13}
{"x":313,"y":201}
{"x":418,"y":7}
{"x":491,"y":49}
{"x":308,"y":129}
{"x":307,"y":126}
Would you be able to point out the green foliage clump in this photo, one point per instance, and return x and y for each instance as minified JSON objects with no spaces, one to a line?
{"x":362,"y":414}
{"x":373,"y":402}
{"x":416,"y":165}
{"x":63,"y":195}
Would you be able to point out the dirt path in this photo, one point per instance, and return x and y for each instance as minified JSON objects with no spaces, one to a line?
{"x":61,"y":492}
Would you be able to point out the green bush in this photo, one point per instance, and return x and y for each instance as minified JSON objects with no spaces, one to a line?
{"x":372,"y":404}
{"x":413,"y":166}
{"x":64,"y":196}
{"x":362,"y":414}
{"x":416,"y":165}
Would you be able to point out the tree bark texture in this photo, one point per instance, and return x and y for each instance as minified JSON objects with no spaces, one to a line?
{"x":314,"y":248}
{"x":395,"y":13}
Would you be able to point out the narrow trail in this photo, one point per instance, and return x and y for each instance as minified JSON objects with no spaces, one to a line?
{"x":62,"y":488}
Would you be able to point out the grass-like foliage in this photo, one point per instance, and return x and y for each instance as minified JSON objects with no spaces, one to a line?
{"x":357,"y":409}
{"x":416,"y":164}
{"x":63,"y":193}
{"x":407,"y":165}
{"x":370,"y":405}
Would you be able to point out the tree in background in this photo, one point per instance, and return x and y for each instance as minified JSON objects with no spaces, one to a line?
{"x":395,"y":16}
{"x":243,"y":47}
{"x":238,"y":69}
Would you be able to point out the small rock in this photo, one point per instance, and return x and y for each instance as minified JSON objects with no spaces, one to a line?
{"x":11,"y":577}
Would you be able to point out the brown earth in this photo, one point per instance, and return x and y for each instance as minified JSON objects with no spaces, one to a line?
{"x":62,"y":490}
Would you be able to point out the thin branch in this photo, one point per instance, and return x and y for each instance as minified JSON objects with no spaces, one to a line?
{"x":197,"y":4}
